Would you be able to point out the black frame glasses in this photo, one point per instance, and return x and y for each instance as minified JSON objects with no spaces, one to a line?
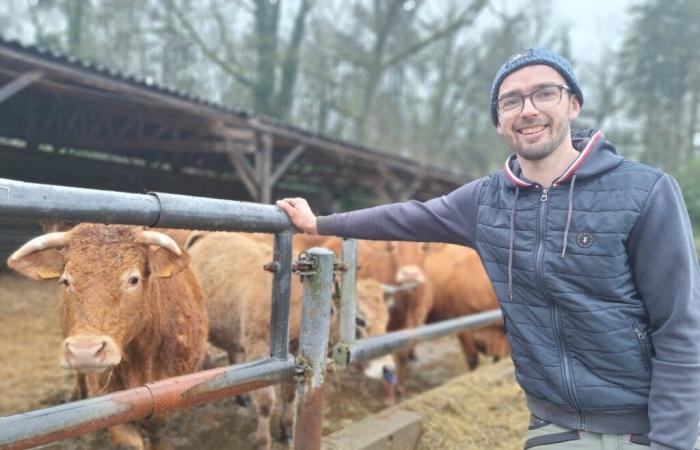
{"x":542,"y":99}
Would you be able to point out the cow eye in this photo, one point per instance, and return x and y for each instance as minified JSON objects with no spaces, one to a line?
{"x":133,"y":280}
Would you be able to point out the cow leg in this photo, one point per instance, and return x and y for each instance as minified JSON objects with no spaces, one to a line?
{"x":471,"y":354}
{"x":157,"y":429}
{"x":235,"y":356}
{"x":264,"y":403}
{"x":288,"y":391}
{"x":263,"y":399}
{"x":126,"y":436}
{"x":400,"y":358}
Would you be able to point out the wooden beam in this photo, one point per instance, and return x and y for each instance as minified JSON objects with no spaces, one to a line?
{"x":243,"y":169}
{"x":18,"y":84}
{"x":286,"y":162}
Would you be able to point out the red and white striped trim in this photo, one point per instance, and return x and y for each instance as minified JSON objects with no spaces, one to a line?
{"x":564,"y":177}
{"x":568,"y":173}
{"x":512,"y":177}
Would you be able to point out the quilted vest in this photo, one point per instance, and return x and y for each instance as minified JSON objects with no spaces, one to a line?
{"x":576,"y":323}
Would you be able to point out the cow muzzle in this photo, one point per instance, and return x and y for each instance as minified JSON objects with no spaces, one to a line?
{"x":86,"y":353}
{"x":410,"y":275}
{"x":382,"y":368}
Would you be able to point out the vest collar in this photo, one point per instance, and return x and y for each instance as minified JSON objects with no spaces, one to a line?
{"x":517,"y":180}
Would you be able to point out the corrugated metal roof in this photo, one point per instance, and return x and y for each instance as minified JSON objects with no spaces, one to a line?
{"x":118,"y":75}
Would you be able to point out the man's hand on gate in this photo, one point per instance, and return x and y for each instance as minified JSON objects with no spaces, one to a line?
{"x":299,"y":213}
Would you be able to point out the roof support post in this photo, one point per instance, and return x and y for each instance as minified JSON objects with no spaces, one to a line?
{"x":263,"y":164}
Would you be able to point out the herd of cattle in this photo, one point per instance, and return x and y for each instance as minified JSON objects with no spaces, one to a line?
{"x":139,"y":305}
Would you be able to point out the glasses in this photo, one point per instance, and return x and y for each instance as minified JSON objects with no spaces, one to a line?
{"x":542,"y":99}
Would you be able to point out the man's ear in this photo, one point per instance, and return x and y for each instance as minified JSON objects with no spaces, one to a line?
{"x":575,"y":108}
{"x":40,"y":265}
{"x":162,"y":263}
{"x":499,"y":130}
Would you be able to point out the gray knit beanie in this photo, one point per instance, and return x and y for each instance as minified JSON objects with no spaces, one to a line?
{"x":529,"y":57}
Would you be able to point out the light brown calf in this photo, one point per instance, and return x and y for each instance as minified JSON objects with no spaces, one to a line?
{"x":229,"y":266}
{"x":130,"y":309}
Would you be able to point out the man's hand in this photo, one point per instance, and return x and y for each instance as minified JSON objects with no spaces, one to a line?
{"x":299,"y":213}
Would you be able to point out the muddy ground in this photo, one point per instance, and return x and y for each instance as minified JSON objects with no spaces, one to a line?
{"x":30,"y":379}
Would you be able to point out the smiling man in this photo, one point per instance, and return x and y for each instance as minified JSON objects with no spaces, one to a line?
{"x":593,"y":262}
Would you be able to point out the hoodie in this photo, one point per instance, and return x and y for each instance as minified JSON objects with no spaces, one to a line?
{"x":598,"y":280}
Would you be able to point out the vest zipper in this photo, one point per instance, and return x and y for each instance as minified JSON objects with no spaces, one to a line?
{"x":641,"y":336}
{"x":556,"y":322}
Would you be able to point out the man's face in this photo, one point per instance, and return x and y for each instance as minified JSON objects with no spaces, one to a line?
{"x":531,"y":133}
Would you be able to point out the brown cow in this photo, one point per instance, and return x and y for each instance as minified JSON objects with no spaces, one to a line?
{"x":229,"y":266}
{"x":130,"y":309}
{"x":461,"y":287}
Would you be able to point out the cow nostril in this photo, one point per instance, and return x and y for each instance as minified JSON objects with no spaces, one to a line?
{"x":100,"y":351}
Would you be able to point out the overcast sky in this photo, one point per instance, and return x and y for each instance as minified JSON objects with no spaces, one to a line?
{"x":595,"y":24}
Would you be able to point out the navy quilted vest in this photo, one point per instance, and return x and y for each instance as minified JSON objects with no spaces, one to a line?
{"x":576,"y":323}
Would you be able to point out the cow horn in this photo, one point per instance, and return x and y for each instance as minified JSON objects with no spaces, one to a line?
{"x":159,"y":239}
{"x":49,"y":240}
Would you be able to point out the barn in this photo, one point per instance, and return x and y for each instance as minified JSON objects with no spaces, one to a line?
{"x":70,"y":122}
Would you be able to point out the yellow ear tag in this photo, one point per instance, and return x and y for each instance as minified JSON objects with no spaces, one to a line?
{"x":166,"y":271}
{"x":46,"y":274}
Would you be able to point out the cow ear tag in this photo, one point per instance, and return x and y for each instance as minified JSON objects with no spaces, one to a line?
{"x":47,"y":274}
{"x":166,"y":271}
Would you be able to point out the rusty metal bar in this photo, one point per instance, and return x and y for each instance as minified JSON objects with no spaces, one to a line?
{"x":313,"y":342}
{"x":281,"y":288}
{"x":40,"y":201}
{"x":72,"y":419}
{"x":373,"y":347}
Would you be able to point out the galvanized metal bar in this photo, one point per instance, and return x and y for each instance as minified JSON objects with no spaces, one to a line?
{"x":376,"y":346}
{"x":39,"y":201}
{"x":281,"y":288}
{"x":313,"y":342}
{"x":348,"y":292}
{"x":18,"y":84}
{"x":72,"y":419}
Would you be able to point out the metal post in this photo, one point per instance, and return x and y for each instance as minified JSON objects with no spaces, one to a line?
{"x":313,"y":342}
{"x":348,"y":294}
{"x":281,"y":287}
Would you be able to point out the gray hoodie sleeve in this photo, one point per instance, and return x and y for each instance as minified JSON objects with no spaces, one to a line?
{"x":450,"y":218}
{"x":666,"y":272}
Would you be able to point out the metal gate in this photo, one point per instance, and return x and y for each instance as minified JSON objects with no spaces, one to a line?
{"x":35,"y":201}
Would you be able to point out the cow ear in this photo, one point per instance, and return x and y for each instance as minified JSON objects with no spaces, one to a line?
{"x":162,"y":263}
{"x":39,"y":265}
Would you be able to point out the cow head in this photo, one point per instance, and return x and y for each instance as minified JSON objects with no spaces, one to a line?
{"x":372,"y":318}
{"x":107,"y":274}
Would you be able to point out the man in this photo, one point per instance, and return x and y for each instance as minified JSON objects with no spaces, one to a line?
{"x":593,"y":262}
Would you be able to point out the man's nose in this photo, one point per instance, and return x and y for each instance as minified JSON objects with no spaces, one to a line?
{"x":529,"y":108}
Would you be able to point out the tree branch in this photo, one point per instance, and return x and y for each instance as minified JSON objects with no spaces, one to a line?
{"x":227,"y":67}
{"x":465,"y":19}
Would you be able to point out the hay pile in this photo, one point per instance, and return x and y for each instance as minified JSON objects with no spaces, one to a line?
{"x":481,"y":410}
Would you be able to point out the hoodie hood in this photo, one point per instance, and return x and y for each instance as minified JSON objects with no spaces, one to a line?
{"x":596,"y":156}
